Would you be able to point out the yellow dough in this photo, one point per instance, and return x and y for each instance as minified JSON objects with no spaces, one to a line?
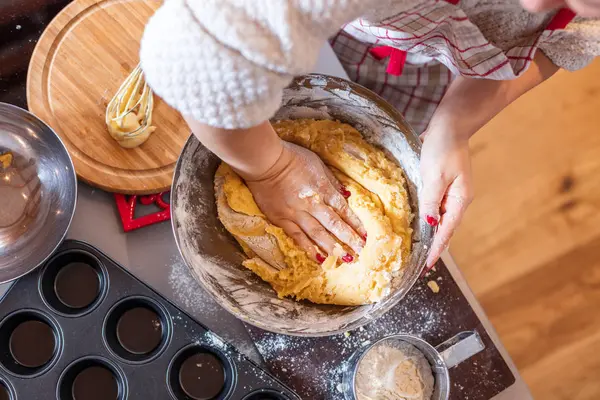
{"x":130,"y":123}
{"x":6,"y":160}
{"x":378,"y":197}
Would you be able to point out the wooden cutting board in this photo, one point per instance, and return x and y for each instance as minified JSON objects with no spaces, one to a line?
{"x":80,"y":61}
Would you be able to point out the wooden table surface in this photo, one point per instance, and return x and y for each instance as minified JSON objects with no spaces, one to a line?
{"x":530,"y":243}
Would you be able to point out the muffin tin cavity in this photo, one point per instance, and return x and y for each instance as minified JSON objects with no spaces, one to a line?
{"x":266,"y":394}
{"x":29,"y":343}
{"x":73,"y":283}
{"x":92,"y":379}
{"x":200,"y":373}
{"x":137,"y":329}
{"x":6,"y":391}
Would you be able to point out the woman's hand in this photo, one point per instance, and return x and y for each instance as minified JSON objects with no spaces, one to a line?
{"x":291,"y":185}
{"x":447,"y":185}
{"x":301,"y":195}
{"x":445,"y":163}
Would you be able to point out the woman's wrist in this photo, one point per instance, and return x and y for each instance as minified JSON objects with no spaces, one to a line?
{"x":449,"y":125}
{"x":251,"y":152}
{"x":471,"y":103}
{"x":466,"y":107}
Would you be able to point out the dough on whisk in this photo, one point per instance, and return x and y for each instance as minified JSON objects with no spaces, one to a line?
{"x":130,"y":123}
{"x":378,"y":197}
{"x":129,"y":113}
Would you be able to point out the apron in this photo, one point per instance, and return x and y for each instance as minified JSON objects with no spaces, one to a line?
{"x":411,"y":58}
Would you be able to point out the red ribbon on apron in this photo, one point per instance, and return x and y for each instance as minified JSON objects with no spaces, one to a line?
{"x":397,"y":58}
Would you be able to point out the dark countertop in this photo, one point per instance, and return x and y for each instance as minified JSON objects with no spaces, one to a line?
{"x":22,"y":22}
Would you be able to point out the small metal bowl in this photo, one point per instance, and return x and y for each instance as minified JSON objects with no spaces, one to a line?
{"x":38,"y":191}
{"x":216,"y":259}
{"x":441,"y":358}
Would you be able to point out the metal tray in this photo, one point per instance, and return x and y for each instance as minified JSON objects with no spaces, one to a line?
{"x":96,"y":336}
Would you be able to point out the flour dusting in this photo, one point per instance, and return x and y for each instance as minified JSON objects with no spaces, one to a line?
{"x":188,"y":291}
{"x":318,"y":364}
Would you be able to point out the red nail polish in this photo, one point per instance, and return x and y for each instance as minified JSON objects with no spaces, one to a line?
{"x":364,"y":237}
{"x":345,"y":192}
{"x":320,"y":258}
{"x":348,"y":258}
{"x":431,"y":220}
{"x":426,"y":270}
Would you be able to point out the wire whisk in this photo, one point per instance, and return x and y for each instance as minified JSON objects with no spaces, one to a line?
{"x":129,"y":113}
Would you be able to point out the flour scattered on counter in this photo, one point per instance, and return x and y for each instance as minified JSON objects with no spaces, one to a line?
{"x":190,"y":294}
{"x":312,"y":361}
{"x":188,"y":291}
{"x":270,"y":345}
{"x":215,"y":341}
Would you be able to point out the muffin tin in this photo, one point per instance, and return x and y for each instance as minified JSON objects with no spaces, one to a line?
{"x":82,"y":327}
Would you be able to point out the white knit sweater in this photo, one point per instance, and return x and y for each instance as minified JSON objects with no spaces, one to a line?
{"x":226,"y":62}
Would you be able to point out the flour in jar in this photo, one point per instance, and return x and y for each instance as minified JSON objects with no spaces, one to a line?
{"x":394,"y":371}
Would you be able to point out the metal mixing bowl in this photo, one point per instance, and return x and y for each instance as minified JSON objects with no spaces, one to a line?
{"x":38,"y":191}
{"x":215,"y":258}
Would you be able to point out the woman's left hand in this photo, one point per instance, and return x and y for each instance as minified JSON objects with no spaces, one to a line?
{"x":447,"y":185}
{"x":445,"y":161}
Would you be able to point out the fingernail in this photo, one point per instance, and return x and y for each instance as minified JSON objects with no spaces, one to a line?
{"x":348,"y":258}
{"x":426,"y":270}
{"x":433,"y":221}
{"x":320,"y":258}
{"x":345,"y":192}
{"x":364,"y":237}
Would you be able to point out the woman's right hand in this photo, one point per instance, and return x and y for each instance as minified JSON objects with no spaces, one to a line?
{"x":301,"y":195}
{"x":290,"y":185}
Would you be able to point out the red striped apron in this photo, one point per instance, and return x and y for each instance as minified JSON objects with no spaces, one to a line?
{"x":411,"y":58}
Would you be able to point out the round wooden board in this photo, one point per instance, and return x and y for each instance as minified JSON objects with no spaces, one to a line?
{"x":79,"y":63}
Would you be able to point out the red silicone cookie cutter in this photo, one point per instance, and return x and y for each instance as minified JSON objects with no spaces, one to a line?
{"x":127,"y":205}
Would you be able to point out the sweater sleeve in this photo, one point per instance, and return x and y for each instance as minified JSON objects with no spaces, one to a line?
{"x":225,"y":63}
{"x":575,"y":46}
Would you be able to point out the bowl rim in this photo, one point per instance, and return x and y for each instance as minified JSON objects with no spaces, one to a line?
{"x":71,"y":167}
{"x":358,"y":322}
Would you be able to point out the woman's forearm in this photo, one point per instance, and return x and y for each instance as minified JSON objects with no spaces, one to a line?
{"x":251,"y":152}
{"x":467,"y":106}
{"x":470,"y":103}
